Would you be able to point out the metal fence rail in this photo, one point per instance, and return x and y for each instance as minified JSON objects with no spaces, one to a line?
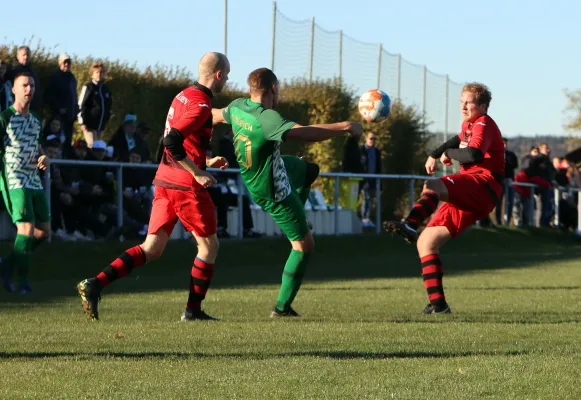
{"x":336,"y":176}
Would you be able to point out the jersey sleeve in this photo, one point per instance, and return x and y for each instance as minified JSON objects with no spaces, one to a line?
{"x":193,"y":118}
{"x":226,"y":113}
{"x":481,"y":138}
{"x":274,"y":125}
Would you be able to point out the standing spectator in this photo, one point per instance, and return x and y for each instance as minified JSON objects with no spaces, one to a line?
{"x":531,"y":172}
{"x":21,"y":65}
{"x":371,"y":160}
{"x":548,"y":174}
{"x":511,"y":163}
{"x":53,"y":127}
{"x":125,"y":139}
{"x":6,"y":98}
{"x":61,"y":96}
{"x":95,"y":104}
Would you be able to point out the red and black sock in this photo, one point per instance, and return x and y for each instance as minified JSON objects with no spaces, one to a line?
{"x":424,"y":207}
{"x":123,"y":265}
{"x":432,"y":272}
{"x":200,"y":280}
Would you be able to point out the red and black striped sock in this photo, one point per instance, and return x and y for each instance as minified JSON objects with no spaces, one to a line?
{"x":423,"y":208}
{"x":123,"y":265}
{"x":200,"y":280}
{"x":432,"y":272}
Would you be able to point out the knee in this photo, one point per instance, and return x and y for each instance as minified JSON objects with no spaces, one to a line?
{"x":213,"y":246}
{"x":312,"y":173}
{"x":151,"y":251}
{"x":305,"y":245}
{"x":426,"y":245}
{"x":433,"y":185}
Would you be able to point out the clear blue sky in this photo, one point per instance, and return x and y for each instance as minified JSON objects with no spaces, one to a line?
{"x":526,"y":51}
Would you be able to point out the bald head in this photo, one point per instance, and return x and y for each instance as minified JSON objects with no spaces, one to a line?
{"x":212,"y":63}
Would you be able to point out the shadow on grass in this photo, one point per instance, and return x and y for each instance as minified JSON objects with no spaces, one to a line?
{"x":58,"y":266}
{"x":340,"y":355}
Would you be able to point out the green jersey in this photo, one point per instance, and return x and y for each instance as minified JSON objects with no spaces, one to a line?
{"x":19,"y":139}
{"x":258,"y":133}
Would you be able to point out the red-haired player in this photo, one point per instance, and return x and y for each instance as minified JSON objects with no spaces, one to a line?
{"x":468,"y":196}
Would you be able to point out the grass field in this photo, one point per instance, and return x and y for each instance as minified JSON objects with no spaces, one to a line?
{"x":514,"y":333}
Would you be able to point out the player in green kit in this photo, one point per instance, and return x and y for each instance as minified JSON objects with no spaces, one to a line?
{"x":279,"y":184}
{"x":19,"y":180}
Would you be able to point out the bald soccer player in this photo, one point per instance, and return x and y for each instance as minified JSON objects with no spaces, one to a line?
{"x":181,"y":184}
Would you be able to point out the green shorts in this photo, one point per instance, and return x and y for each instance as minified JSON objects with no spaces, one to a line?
{"x":26,"y":205}
{"x":289,"y":215}
{"x":296,"y":170}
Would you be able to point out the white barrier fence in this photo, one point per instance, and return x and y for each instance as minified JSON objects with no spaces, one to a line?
{"x":334,"y":209}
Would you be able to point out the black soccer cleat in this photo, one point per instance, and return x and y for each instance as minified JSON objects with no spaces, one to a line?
{"x":90,"y":292}
{"x":283,"y":314}
{"x":443,"y":308}
{"x":402,"y":229}
{"x":196,"y":315}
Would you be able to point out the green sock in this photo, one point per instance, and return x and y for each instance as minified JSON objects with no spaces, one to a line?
{"x":21,"y":255}
{"x":292,"y":277}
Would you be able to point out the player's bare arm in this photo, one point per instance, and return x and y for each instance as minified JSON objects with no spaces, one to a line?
{"x":321,"y":132}
{"x":174,"y":142}
{"x":217,"y":116}
{"x":216,"y":162}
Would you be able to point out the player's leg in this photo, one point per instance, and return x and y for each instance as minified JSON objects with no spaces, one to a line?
{"x":197,"y":213}
{"x":290,"y":217}
{"x":433,"y":192}
{"x":302,"y":174}
{"x":161,"y":224}
{"x":429,"y":244}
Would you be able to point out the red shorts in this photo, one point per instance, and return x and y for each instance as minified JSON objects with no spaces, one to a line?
{"x":470,"y":199}
{"x":195,"y":210}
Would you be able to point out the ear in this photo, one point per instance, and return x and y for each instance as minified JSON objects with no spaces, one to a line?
{"x":219,"y":75}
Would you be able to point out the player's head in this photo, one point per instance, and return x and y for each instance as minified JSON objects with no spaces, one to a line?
{"x":98,"y":71}
{"x":23,"y":88}
{"x":263,"y":84}
{"x":534,"y":151}
{"x":23,"y":55}
{"x":544,"y":149}
{"x":213,"y":71}
{"x":475,"y":101}
{"x":505,"y":140}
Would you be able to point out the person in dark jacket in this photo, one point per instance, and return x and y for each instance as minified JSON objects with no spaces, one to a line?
{"x":352,"y":157}
{"x":126,"y":139}
{"x":95,"y":104}
{"x":371,"y":161}
{"x":23,"y":64}
{"x":547,"y":196}
{"x":511,"y":163}
{"x":61,"y":97}
{"x":6,"y":98}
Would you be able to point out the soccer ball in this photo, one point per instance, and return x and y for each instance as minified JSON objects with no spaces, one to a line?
{"x":374,"y":105}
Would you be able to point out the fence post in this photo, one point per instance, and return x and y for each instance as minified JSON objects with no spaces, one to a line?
{"x":120,"y":199}
{"x":446,"y":105}
{"x":340,"y":53}
{"x":578,"y":211}
{"x":412,"y":193}
{"x":398,"y":76}
{"x":240,"y":186}
{"x":378,"y":206}
{"x":47,"y":194}
{"x":379,"y":66}
{"x":226,"y":27}
{"x":273,"y":35}
{"x":311,"y":49}
{"x":531,"y":206}
{"x":336,"y":207}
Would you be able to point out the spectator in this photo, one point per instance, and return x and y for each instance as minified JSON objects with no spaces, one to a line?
{"x":547,"y":196}
{"x":95,"y":104}
{"x":126,"y":140}
{"x":371,"y":160}
{"x":61,"y":97}
{"x":532,"y":171}
{"x":137,"y":194}
{"x":23,"y":64}
{"x":352,"y":157}
{"x":142,"y":132}
{"x":511,"y":163}
{"x":53,"y":127}
{"x":6,"y":98}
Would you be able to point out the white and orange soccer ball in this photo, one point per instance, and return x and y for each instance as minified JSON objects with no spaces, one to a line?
{"x":374,"y":105}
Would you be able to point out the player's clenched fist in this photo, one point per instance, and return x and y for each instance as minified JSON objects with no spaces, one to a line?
{"x":356,"y":129}
{"x":445,"y":159}
{"x":431,"y":165}
{"x":205,"y":179}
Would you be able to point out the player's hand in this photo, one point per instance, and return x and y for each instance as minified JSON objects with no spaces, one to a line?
{"x":205,"y":179}
{"x":217,"y":162}
{"x":445,"y":159}
{"x":43,"y":162}
{"x":355,"y":129}
{"x":431,"y":165}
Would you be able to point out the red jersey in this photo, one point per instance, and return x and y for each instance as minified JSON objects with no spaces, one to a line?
{"x":483,"y":134}
{"x":191,"y":114}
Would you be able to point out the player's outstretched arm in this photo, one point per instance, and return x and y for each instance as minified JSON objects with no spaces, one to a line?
{"x":322,"y":132}
{"x":218,"y":116}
